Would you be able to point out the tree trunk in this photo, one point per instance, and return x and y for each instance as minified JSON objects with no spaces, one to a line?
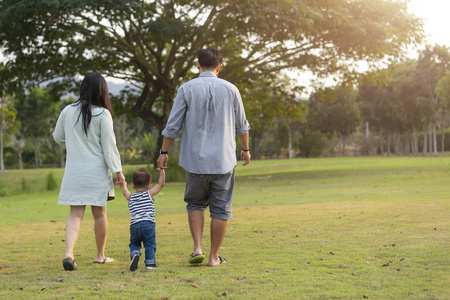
{"x":2,"y":162}
{"x":326,"y":146}
{"x":443,"y":140}
{"x":406,"y":144}
{"x":398,"y":144}
{"x":36,"y":157}
{"x":425,"y":142}
{"x":415,"y":142}
{"x":389,"y":144}
{"x":290,"y":142}
{"x":434,"y":140}
{"x":303,"y":133}
{"x":343,"y":145}
{"x":430,"y":139}
{"x":381,"y":144}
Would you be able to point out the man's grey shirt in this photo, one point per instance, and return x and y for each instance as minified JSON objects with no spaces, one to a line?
{"x":210,"y":112}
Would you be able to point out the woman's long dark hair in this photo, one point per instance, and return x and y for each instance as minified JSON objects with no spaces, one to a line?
{"x":93,"y":91}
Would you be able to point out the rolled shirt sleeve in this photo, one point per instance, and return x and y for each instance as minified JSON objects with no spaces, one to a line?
{"x":108,"y":141}
{"x":177,"y":116}
{"x":242,"y":125}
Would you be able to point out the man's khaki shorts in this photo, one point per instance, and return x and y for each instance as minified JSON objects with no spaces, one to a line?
{"x":213,"y":190}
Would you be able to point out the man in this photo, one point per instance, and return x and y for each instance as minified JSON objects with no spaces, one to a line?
{"x":211,"y":112}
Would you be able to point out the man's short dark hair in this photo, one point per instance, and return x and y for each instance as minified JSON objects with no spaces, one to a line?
{"x":209,"y":58}
{"x":141,"y":178}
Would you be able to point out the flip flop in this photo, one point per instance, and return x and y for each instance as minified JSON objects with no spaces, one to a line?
{"x":197,"y":259}
{"x":106,"y":260}
{"x":223,"y":260}
{"x":69,"y":264}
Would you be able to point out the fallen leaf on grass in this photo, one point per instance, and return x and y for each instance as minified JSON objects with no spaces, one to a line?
{"x":21,"y":288}
{"x":43,"y":289}
{"x":257,"y":231}
{"x":331,"y":252}
{"x":190,"y":281}
{"x":224,"y":294}
{"x":386,"y":265}
{"x":329,"y":272}
{"x":393,"y":245}
{"x":164,"y":278}
{"x":193,"y":285}
{"x":240,"y":278}
{"x":59,"y":279}
{"x":343,"y":266}
{"x":5,"y":267}
{"x":402,"y":259}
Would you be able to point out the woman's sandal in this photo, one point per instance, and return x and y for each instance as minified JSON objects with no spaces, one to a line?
{"x":106,"y":260}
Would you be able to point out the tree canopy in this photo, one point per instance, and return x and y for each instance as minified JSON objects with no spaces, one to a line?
{"x":152,"y":44}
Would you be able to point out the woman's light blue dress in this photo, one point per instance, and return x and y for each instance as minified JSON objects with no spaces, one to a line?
{"x":90,"y":159}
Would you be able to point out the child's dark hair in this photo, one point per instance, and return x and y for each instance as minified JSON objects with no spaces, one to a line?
{"x":142,"y":178}
{"x":209,"y":58}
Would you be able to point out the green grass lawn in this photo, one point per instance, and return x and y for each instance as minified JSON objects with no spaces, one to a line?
{"x":335,"y":228}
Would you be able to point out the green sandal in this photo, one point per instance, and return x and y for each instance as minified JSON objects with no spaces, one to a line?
{"x":197,"y":259}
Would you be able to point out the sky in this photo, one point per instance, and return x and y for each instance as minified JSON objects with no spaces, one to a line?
{"x":435,"y":14}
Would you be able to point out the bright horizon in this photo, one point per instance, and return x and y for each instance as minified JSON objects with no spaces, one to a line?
{"x":435,"y":17}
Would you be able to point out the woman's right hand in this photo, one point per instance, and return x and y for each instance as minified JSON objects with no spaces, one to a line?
{"x":120,"y":178}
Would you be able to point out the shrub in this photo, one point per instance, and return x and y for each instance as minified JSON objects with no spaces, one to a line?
{"x":25,"y":186}
{"x":51,"y":182}
{"x":3,"y":189}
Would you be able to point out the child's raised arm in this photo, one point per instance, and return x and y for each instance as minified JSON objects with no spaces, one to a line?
{"x":158,"y":187}
{"x":126,"y":193}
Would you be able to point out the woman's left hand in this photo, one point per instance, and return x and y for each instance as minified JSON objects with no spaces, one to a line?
{"x":120,"y":178}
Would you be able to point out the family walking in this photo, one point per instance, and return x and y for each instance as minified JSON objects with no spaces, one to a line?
{"x":210,"y":112}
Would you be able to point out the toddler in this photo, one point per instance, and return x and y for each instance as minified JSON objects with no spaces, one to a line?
{"x":142,"y":222}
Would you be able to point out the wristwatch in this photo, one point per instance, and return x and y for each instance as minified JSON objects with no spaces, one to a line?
{"x":163,"y":152}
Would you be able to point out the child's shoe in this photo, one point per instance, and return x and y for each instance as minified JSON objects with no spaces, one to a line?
{"x":151,"y":267}
{"x":134,"y":262}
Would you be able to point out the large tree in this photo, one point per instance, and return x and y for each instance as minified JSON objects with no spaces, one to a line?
{"x":152,"y":44}
{"x":37,"y":112}
{"x":334,"y":111}
{"x":432,"y":64}
{"x":8,"y":124}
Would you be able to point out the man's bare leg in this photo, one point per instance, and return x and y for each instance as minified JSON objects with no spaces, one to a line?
{"x":218,"y":227}
{"x":196,"y":221}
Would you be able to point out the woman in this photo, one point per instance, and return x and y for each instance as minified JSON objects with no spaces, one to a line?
{"x":86,"y":129}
